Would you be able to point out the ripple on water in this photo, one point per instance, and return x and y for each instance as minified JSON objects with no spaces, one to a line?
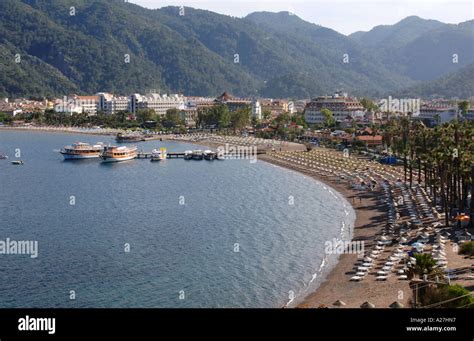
{"x":174,"y":248}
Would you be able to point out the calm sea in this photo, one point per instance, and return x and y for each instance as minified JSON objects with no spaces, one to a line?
{"x":200,"y":233}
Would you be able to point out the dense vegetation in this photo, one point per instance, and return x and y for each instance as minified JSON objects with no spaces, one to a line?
{"x":111,"y":45}
{"x":446,"y":296}
{"x":467,"y":249}
{"x":443,"y":156}
{"x":458,"y":84}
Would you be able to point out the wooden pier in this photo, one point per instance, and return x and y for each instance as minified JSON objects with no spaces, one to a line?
{"x":181,"y":155}
{"x":147,"y":155}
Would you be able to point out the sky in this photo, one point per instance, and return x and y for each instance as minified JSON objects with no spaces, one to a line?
{"x":344,"y":16}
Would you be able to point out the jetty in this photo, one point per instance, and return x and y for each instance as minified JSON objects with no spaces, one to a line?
{"x":149,"y":155}
{"x":204,"y":155}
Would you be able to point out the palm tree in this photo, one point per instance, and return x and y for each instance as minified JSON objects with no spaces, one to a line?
{"x":424,"y":265}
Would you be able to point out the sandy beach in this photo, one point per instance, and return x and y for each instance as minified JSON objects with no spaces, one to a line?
{"x":370,"y":218}
{"x":381,"y":278}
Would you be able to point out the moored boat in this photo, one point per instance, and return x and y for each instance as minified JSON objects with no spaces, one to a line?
{"x":129,"y":138}
{"x":188,"y":155}
{"x":209,"y":155}
{"x":81,"y":150}
{"x":117,"y":154}
{"x":158,"y":155}
{"x":197,"y":155}
{"x":3,"y":157}
{"x":18,"y":162}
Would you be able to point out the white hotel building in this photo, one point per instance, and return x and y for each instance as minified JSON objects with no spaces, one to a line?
{"x":340,"y":105}
{"x":159,"y":103}
{"x":443,"y":113}
{"x":111,"y":104}
{"x":74,"y":104}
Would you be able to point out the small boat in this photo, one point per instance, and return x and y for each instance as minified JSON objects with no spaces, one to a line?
{"x":188,"y":155}
{"x":220,"y":156}
{"x":209,"y":155}
{"x":158,"y":155}
{"x":3,"y":157}
{"x":117,"y":154}
{"x":18,"y":162}
{"x":129,"y":138}
{"x":198,"y":155}
{"x":81,"y":150}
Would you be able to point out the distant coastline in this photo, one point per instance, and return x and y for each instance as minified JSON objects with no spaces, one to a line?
{"x":70,"y":130}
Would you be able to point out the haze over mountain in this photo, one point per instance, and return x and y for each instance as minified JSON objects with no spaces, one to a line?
{"x":456,"y":84}
{"x":421,"y":49}
{"x":204,"y":53}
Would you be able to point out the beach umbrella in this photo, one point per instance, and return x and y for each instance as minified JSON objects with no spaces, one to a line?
{"x":463,"y":217}
{"x":339,"y":303}
{"x":396,"y":305}
{"x":367,"y":305}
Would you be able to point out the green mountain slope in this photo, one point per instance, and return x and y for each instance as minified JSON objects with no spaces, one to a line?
{"x":457,"y":84}
{"x":111,"y":45}
{"x":421,"y":49}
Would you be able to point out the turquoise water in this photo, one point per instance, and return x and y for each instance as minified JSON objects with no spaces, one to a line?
{"x":248,"y":234}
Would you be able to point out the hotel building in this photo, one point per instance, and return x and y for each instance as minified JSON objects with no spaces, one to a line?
{"x":74,"y":104}
{"x":159,"y":103}
{"x":341,"y":106}
{"x":111,"y":104}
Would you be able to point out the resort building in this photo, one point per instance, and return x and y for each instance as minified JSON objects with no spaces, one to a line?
{"x":74,"y":104}
{"x":157,"y":102}
{"x":89,"y":104}
{"x":341,"y":106}
{"x":233,"y":103}
{"x":275,"y":107}
{"x":435,"y":114}
{"x":111,"y":104}
{"x":199,"y":102}
{"x":299,"y":106}
{"x":189,"y":115}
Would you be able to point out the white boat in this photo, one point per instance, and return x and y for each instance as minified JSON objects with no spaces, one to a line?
{"x":188,"y":154}
{"x":209,"y":155}
{"x":81,"y":150}
{"x":198,"y":155}
{"x":117,"y":154}
{"x":158,"y":155}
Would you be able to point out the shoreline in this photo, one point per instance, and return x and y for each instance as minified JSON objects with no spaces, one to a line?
{"x":333,"y":285}
{"x":368,"y":224}
{"x":64,"y":130}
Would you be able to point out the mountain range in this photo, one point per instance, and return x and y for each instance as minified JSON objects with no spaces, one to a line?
{"x":56,"y":47}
